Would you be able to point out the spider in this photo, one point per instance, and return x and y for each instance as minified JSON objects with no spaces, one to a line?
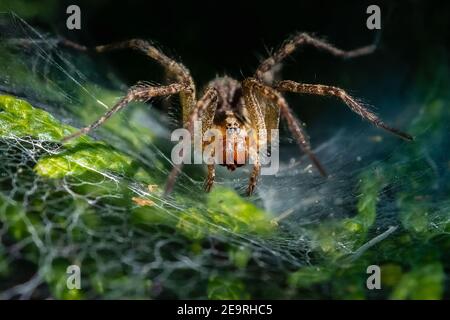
{"x":256,"y":103}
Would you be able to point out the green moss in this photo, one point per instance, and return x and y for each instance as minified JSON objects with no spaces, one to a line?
{"x":226,"y":212}
{"x":18,"y":118}
{"x":151,"y":216}
{"x":226,"y":288}
{"x":14,"y":213}
{"x":391,"y":274}
{"x":240,"y":256}
{"x":94,"y":157}
{"x":227,"y":208}
{"x":194,"y":225}
{"x":308,"y":276}
{"x":370,"y":185}
{"x":422,"y":283}
{"x":45,"y":9}
{"x":339,"y":237}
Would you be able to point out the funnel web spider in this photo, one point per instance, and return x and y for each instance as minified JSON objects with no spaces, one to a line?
{"x":240,"y":106}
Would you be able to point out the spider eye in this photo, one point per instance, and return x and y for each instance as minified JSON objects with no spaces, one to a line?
{"x":233,"y":130}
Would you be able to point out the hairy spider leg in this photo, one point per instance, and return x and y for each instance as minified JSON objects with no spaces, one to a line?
{"x":209,"y":181}
{"x":252,"y":85}
{"x":137,"y":93}
{"x":171,"y":67}
{"x":322,"y":90}
{"x":204,"y":110}
{"x":301,"y":39}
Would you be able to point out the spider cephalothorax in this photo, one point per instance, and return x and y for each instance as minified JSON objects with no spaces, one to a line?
{"x":235,"y":139}
{"x":231,"y":122}
{"x":240,"y":110}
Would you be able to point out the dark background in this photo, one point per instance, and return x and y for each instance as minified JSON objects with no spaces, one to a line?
{"x":230,"y":37}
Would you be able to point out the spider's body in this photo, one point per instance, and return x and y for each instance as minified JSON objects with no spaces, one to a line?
{"x":229,"y":94}
{"x":231,"y":120}
{"x":238,"y":109}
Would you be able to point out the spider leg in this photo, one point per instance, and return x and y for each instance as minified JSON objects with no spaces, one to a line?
{"x":137,"y":93}
{"x":251,"y":85}
{"x":302,"y":39}
{"x":356,"y":107}
{"x":172,"y":68}
{"x":204,"y":110}
{"x":253,"y":178}
{"x":256,"y":115}
{"x":209,"y":181}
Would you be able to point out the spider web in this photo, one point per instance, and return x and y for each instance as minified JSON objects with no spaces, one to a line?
{"x":190,"y":245}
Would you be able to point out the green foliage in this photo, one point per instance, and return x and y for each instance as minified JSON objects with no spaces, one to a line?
{"x":226,"y":288}
{"x":422,"y":283}
{"x":20,"y":119}
{"x":44,"y":9}
{"x":309,"y":276}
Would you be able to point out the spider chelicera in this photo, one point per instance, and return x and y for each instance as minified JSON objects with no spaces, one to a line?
{"x":226,"y":104}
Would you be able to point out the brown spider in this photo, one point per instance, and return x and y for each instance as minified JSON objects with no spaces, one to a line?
{"x":240,"y":106}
